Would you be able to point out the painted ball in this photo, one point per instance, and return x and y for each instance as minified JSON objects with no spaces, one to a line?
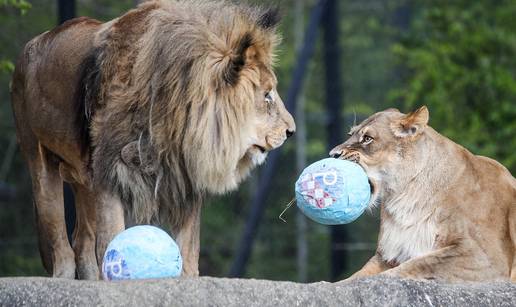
{"x":333,"y":191}
{"x":142,"y":252}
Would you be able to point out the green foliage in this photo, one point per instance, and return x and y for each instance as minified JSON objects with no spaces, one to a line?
{"x":460,"y":62}
{"x":22,"y":5}
{"x":12,"y":264}
{"x":6,"y":66}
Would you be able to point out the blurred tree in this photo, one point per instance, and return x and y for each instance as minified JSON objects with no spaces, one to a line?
{"x":300,"y":116}
{"x":7,"y":66}
{"x":21,"y":5}
{"x":460,"y":62}
{"x":15,"y":236}
{"x":333,"y":84}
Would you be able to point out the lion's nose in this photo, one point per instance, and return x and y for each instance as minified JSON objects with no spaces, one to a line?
{"x":336,"y":152}
{"x":290,"y":133}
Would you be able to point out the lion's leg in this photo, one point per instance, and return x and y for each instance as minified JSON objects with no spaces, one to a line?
{"x":512,"y":232}
{"x":451,"y":263}
{"x":84,"y":234}
{"x":47,"y":187}
{"x":188,"y":240}
{"x":109,"y":213}
{"x":374,"y":266}
{"x":45,"y":249}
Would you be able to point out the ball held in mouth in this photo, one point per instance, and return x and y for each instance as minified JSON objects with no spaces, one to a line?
{"x":333,"y":191}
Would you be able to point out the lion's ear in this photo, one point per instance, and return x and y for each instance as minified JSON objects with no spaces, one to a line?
{"x":244,"y":49}
{"x":269,"y":19}
{"x":411,"y":124}
{"x":239,"y":55}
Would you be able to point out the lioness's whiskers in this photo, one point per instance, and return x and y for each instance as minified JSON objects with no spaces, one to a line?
{"x":286,"y":208}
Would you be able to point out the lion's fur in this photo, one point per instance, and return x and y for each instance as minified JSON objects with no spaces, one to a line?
{"x":176,"y":71}
{"x":445,"y":213}
{"x":145,"y":114}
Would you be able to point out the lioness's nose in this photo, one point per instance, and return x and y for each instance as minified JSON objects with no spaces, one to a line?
{"x":290,"y":133}
{"x":336,"y":152}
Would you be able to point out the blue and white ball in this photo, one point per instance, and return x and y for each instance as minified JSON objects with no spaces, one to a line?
{"x":142,"y":252}
{"x":333,"y":191}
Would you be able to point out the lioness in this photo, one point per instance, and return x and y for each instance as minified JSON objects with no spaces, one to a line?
{"x":144,"y":115}
{"x":446,"y":214}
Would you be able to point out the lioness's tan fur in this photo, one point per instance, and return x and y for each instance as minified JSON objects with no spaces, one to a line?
{"x":143,"y":115}
{"x":446,"y":213}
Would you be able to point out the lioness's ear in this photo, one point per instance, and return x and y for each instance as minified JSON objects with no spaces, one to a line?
{"x":237,"y":59}
{"x":411,"y":124}
{"x":392,"y":110}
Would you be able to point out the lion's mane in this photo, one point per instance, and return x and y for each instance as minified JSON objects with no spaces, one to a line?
{"x":169,"y":99}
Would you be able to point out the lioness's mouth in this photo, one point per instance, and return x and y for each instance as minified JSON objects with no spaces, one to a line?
{"x":374,"y":201}
{"x":371,"y":186}
{"x":355,"y":158}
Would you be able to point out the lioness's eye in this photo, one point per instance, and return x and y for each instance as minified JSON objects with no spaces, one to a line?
{"x":268,"y":97}
{"x":366,"y":139}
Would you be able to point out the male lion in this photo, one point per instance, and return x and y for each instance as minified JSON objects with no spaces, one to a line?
{"x":446,"y":214}
{"x":144,"y":115}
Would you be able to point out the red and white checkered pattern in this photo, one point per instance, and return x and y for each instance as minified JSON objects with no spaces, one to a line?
{"x":313,"y":191}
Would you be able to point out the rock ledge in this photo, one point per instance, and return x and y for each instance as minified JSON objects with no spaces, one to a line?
{"x":208,"y":291}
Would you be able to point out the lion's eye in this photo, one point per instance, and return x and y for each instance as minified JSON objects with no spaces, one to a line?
{"x":268,"y":97}
{"x":366,"y":139}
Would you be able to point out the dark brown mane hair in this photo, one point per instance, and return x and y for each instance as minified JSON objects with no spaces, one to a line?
{"x":176,"y":83}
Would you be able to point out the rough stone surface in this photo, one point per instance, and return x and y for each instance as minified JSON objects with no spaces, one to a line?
{"x":207,"y":291}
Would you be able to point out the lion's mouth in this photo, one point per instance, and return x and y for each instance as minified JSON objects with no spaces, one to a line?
{"x":260,"y":148}
{"x":256,"y":154}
